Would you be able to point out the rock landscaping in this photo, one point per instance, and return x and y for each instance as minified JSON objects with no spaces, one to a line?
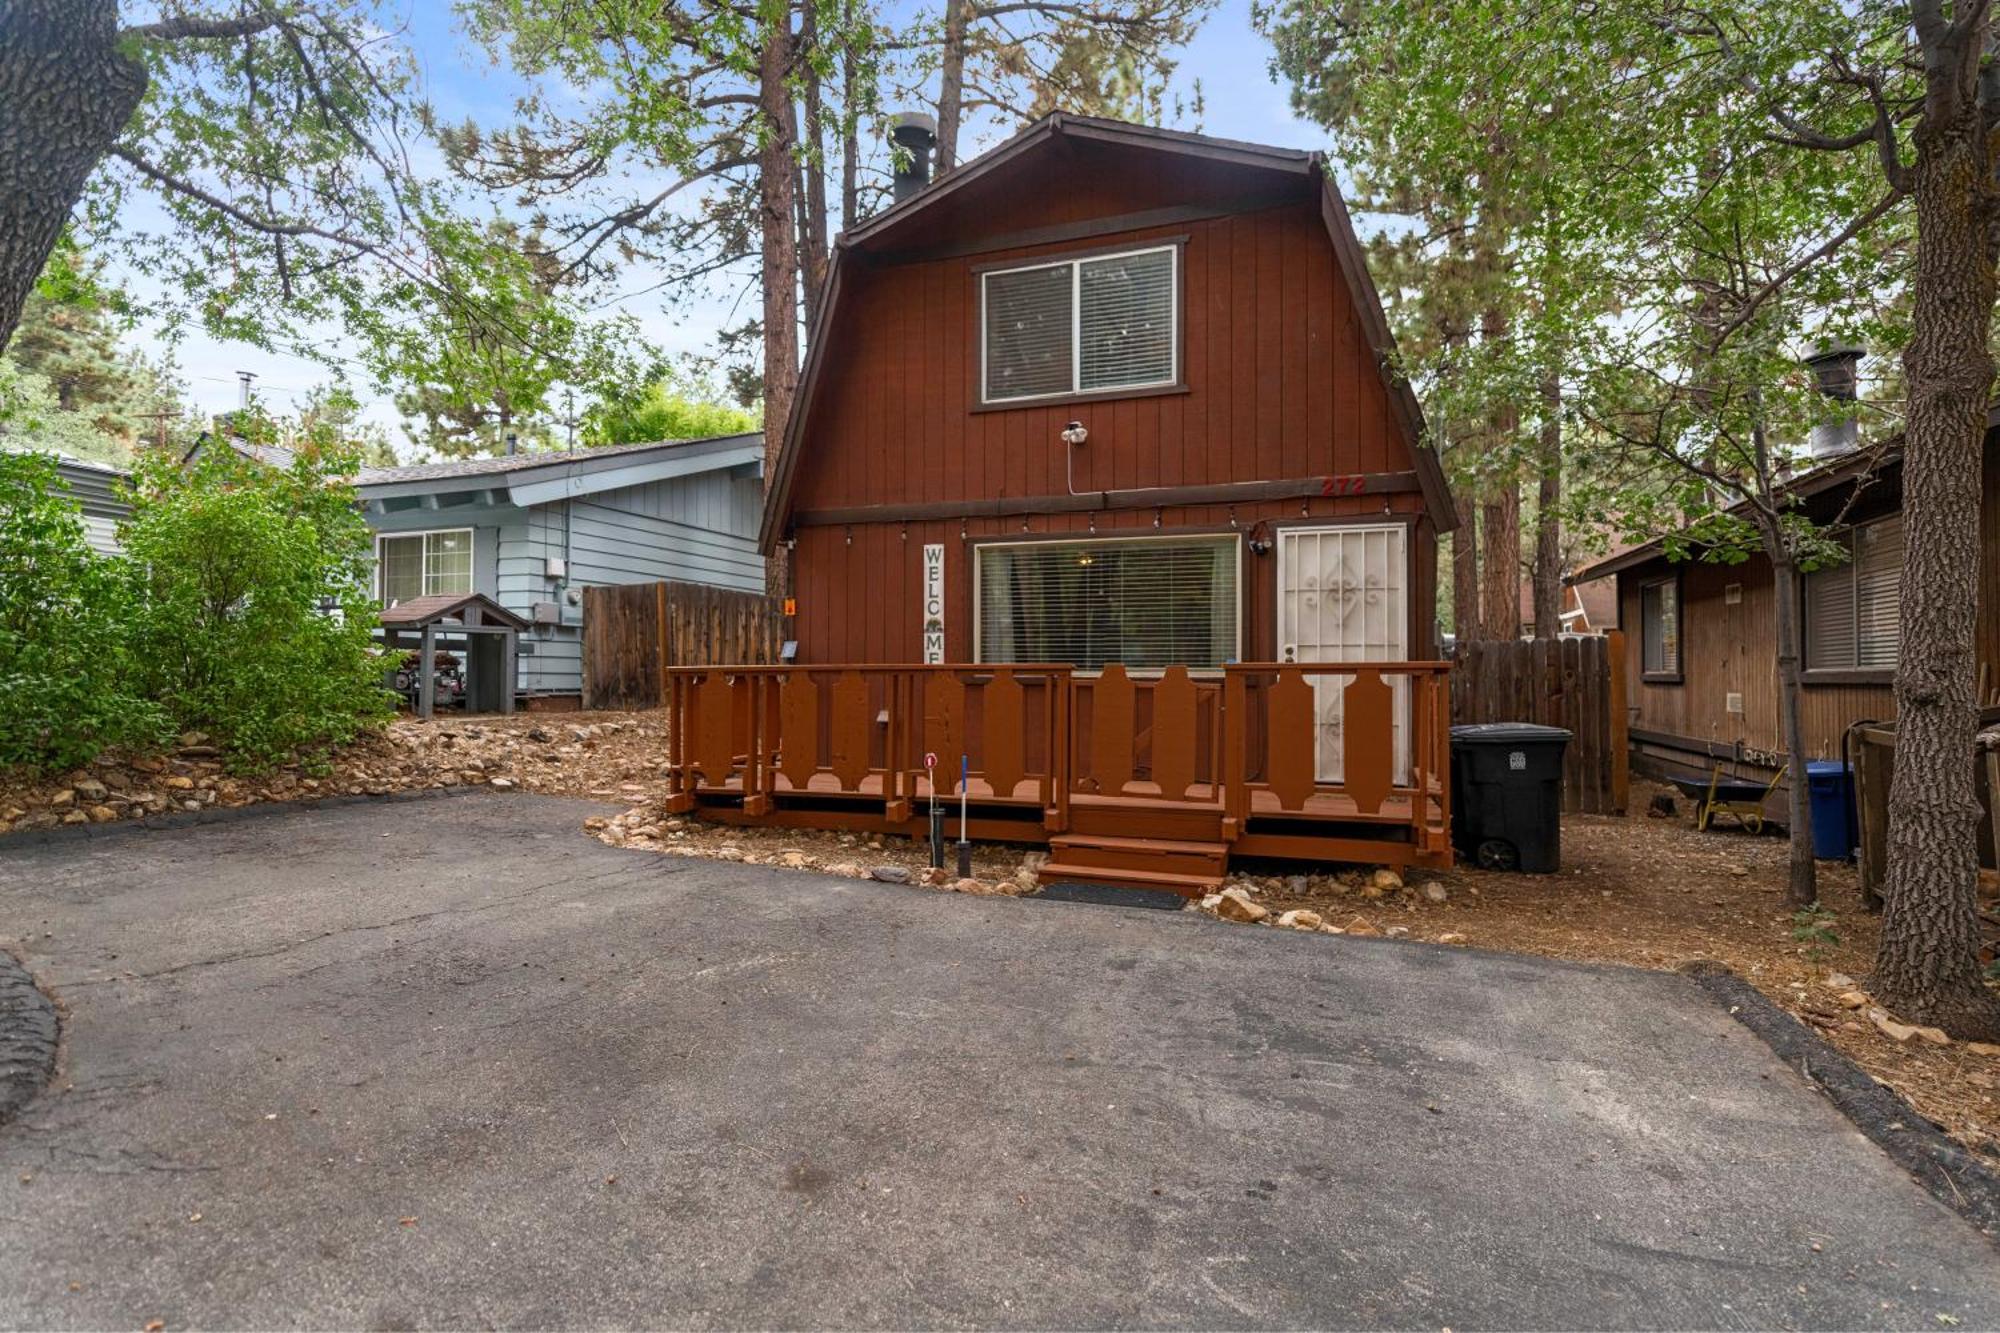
{"x":604,"y":755}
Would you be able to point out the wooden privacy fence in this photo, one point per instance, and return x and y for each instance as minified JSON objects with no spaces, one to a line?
{"x":633,"y":632}
{"x":1575,"y":683}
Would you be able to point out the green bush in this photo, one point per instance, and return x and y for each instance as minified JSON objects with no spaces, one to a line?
{"x":254,"y":619}
{"x":69,"y":687}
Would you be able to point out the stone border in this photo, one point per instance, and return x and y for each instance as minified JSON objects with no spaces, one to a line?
{"x":1955,"y":1178}
{"x":230,"y":814}
{"x":28,"y":1032}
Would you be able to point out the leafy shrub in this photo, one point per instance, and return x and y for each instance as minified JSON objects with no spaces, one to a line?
{"x":254,"y":620}
{"x":69,"y":687}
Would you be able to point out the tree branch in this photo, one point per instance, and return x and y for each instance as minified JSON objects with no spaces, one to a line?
{"x":188,"y":28}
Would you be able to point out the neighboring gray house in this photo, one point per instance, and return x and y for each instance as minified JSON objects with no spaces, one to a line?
{"x":532,"y":531}
{"x":94,"y":486}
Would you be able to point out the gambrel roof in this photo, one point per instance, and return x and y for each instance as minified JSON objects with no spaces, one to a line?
{"x":925,"y":221}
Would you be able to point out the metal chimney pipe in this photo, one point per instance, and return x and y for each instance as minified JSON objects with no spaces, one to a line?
{"x":1836,"y":368}
{"x":916,"y":134}
{"x":243,"y":378}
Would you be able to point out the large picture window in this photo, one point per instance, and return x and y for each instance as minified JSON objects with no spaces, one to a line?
{"x":1144,"y":602}
{"x":1076,"y":326}
{"x":1853,"y":615}
{"x":423,"y":564}
{"x":1660,"y":629}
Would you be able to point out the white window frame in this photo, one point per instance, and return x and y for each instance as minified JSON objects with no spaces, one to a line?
{"x":471,"y":536}
{"x":1075,"y":264}
{"x":1089,"y":673}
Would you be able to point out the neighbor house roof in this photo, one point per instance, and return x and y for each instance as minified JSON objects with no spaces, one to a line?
{"x":531,"y":479}
{"x":878,"y":233}
{"x":274,"y":455}
{"x":1840,"y":471}
{"x":420,"y":611}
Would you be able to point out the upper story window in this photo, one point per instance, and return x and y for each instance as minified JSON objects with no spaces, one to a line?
{"x":1853,"y":611}
{"x":1074,"y":326}
{"x":1660,"y":630}
{"x":422,"y":564}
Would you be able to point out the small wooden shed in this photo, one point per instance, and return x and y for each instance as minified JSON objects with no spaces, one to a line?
{"x":484,"y":633}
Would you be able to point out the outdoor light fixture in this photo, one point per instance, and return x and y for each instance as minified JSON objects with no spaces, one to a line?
{"x":1075,"y":433}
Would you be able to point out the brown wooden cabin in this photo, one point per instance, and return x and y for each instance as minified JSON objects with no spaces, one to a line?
{"x":1701,"y":639}
{"x":1099,"y":476}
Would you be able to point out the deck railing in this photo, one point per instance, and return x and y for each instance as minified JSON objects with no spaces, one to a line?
{"x":1356,"y":740}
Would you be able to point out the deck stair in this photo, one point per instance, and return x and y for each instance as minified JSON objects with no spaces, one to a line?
{"x":1187,"y":868}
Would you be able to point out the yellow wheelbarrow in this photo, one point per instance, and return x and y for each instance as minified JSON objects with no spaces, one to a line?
{"x":1740,"y":798}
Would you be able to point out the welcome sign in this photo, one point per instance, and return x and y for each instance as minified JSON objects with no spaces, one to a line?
{"x":934,"y":602}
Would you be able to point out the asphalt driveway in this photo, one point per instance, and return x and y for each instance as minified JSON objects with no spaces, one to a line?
{"x":453,"y":1063}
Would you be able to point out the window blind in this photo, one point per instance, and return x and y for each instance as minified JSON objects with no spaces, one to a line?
{"x":1659,"y":612}
{"x":1854,"y":613}
{"x":1028,"y":318}
{"x":1125,"y":315}
{"x":1081,"y":325}
{"x":423,"y":564}
{"x":1145,"y":603}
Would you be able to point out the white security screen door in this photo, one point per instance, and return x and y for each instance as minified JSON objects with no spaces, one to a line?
{"x":1343,"y":596}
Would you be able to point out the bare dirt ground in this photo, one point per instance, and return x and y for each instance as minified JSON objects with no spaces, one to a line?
{"x":1648,"y":892}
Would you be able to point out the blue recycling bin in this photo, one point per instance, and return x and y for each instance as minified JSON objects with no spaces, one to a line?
{"x":1830,"y":789}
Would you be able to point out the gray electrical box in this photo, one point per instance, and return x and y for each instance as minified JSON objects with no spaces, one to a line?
{"x":548,"y":613}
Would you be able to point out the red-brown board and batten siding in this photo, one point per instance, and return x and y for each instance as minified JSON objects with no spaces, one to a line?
{"x":1283,"y":379}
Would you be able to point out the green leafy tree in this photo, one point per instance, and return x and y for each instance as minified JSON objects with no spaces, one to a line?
{"x":668,"y":410}
{"x":69,"y":685}
{"x":1759,"y":178}
{"x":254,"y":622}
{"x":273,"y":133}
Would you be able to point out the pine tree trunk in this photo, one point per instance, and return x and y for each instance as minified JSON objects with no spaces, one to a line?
{"x":1547,"y":573}
{"x":951,"y":82}
{"x":776,"y":181}
{"x":1802,"y":874}
{"x":812,"y":167}
{"x":1465,"y":625}
{"x":66,"y":93}
{"x":1927,"y":962}
{"x":850,"y":141}
{"x":1500,"y":563}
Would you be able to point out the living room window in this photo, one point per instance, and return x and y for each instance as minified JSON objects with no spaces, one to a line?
{"x":1096,"y":324}
{"x":409,"y":565}
{"x":1853,"y":612}
{"x":1145,"y":602}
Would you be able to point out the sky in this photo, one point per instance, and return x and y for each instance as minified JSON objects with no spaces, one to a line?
{"x":1228,"y":59}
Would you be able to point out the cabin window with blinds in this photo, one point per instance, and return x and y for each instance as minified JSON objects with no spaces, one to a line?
{"x":1853,"y":617}
{"x":423,"y":564}
{"x":1147,"y":602}
{"x":1660,"y":629}
{"x":1077,"y":326}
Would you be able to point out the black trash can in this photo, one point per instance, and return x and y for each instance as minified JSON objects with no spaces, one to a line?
{"x":1506,"y":795}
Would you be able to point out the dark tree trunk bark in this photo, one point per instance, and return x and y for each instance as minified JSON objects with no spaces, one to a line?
{"x":1500,"y":562}
{"x":951,"y":82}
{"x":1547,"y":573}
{"x":1465,"y":625}
{"x":1927,"y":962}
{"x":66,"y":93}
{"x":812,"y":164}
{"x":1802,"y":874}
{"x":850,"y":140}
{"x":777,"y":178}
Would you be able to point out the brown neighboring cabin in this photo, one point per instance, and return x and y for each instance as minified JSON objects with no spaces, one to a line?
{"x":1701,"y":637}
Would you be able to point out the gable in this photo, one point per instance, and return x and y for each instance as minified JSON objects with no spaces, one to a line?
{"x":1286,"y":370}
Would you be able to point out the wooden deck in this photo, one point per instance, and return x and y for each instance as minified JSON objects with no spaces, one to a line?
{"x":1152,"y":782}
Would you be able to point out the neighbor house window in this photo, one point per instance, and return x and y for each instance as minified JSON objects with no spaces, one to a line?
{"x":1853,"y":615}
{"x":1660,"y":628}
{"x":1145,"y":602}
{"x":423,"y":564}
{"x":1075,"y":326}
